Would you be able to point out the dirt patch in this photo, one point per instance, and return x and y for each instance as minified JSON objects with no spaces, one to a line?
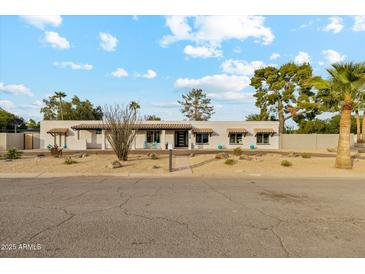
{"x":93,"y":164}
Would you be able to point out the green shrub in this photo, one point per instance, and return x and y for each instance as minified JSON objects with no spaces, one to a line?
{"x":306,"y":155}
{"x":286,"y":163}
{"x":230,"y":162}
{"x":69,"y":161}
{"x":13,"y":153}
{"x":237,"y":151}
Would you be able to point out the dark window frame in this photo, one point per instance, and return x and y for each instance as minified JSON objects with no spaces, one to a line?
{"x":263,"y":140}
{"x":203,"y":141}
{"x":156,"y":136}
{"x":236,"y":142}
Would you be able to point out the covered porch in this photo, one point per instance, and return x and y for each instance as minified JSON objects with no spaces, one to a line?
{"x":148,"y":136}
{"x":57,"y":134}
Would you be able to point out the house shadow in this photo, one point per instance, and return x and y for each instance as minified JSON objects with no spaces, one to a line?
{"x":196,"y":165}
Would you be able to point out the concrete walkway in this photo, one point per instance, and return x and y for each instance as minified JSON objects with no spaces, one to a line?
{"x":182,"y":165}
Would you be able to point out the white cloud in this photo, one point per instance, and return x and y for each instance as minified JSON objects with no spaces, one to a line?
{"x":241,"y":67}
{"x":213,"y":30}
{"x":107,"y":41}
{"x":232,"y":96}
{"x":150,"y":74}
{"x":16,"y":89}
{"x":215,"y":83}
{"x":55,"y":40}
{"x":202,"y":51}
{"x":120,"y":72}
{"x":302,"y":57}
{"x":333,"y":56}
{"x":359,"y":23}
{"x":179,"y":28}
{"x":42,"y":21}
{"x":274,"y":56}
{"x":335,"y":25}
{"x":72,"y":65}
{"x":6,"y":104}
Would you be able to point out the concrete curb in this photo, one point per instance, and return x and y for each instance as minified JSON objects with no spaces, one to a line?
{"x":181,"y":152}
{"x":169,"y":175}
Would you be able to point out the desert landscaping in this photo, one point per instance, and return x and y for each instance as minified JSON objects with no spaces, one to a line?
{"x":220,"y":164}
{"x":269,"y":165}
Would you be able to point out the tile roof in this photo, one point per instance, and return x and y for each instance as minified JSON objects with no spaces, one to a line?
{"x":202,"y":130}
{"x":237,"y":130}
{"x":264,"y":130}
{"x":140,"y":126}
{"x":58,"y":130}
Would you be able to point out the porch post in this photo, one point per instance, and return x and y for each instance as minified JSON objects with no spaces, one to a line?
{"x":163,"y":139}
{"x":190,"y":136}
{"x":103,"y":141}
{"x":78,"y":135}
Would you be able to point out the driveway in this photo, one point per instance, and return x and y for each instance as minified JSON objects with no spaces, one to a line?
{"x":181,"y":217}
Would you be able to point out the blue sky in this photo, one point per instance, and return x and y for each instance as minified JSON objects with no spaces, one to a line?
{"x":155,"y":59}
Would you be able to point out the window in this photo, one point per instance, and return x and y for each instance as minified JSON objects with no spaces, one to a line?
{"x":235,"y":138}
{"x":202,"y":138}
{"x":153,"y":136}
{"x":262,"y":138}
{"x":98,"y":131}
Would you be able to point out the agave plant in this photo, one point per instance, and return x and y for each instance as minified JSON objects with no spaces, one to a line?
{"x":13,"y":153}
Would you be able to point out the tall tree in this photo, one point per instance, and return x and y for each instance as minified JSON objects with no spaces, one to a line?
{"x":33,"y":124}
{"x":344,"y":90}
{"x":84,"y":110}
{"x":152,"y":117}
{"x":363,"y":127}
{"x":358,"y":126}
{"x":262,"y":116}
{"x":76,"y":109}
{"x":133,"y":105}
{"x":7,"y":121}
{"x":285,"y":91}
{"x":327,"y":126}
{"x":196,"y":106}
{"x":60,"y":95}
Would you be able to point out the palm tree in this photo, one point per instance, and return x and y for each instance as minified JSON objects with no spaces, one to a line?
{"x":133,"y":105}
{"x":59,"y":95}
{"x":358,"y":127}
{"x":363,"y":127}
{"x":346,"y":88}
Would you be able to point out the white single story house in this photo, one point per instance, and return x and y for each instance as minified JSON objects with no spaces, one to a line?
{"x":80,"y":135}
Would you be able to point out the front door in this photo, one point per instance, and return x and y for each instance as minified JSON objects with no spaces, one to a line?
{"x":181,"y":138}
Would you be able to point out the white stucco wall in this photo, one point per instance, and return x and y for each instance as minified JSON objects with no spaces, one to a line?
{"x":221,"y":137}
{"x":89,"y":139}
{"x":311,"y":141}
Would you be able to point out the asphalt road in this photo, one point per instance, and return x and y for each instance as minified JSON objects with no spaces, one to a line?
{"x":181,"y":217}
